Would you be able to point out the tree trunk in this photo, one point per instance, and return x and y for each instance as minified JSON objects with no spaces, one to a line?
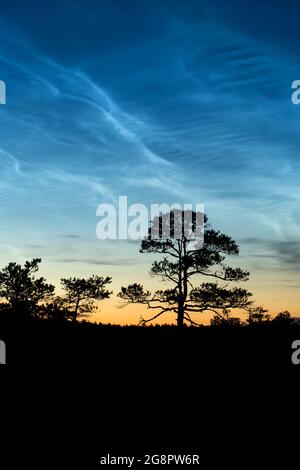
{"x":180,"y":314}
{"x":75,"y":315}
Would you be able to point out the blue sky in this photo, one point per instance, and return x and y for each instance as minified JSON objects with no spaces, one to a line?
{"x":162,"y":101}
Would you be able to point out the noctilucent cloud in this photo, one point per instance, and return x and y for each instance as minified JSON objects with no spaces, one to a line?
{"x":162,"y":101}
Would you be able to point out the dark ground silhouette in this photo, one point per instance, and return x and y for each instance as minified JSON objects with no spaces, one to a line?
{"x":71,"y":392}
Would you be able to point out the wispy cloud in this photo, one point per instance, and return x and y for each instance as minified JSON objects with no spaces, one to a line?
{"x":193,"y":108}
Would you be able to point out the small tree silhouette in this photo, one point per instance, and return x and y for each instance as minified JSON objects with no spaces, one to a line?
{"x":229,"y":321}
{"x":23,"y":292}
{"x":283,"y":319}
{"x":56,"y":309}
{"x":258,"y":315}
{"x":80,"y":294}
{"x":183,"y":260}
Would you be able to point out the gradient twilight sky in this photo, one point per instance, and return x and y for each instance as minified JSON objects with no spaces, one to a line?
{"x":162,"y":101}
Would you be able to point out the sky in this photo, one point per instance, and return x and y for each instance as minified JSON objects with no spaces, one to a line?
{"x":164,"y":101}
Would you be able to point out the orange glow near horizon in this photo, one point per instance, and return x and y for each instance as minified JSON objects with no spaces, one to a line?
{"x":130,"y":315}
{"x":267,"y":287}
